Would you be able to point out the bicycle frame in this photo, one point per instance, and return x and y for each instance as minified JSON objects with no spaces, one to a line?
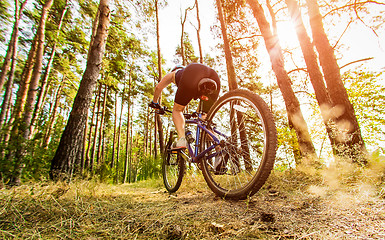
{"x":194,"y":157}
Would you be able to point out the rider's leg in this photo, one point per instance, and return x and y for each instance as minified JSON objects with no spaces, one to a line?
{"x":179,"y":122}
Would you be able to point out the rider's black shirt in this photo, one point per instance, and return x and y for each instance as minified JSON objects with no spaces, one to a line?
{"x":187,"y":80}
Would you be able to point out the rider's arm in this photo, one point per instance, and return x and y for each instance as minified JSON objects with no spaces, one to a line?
{"x":164,"y":82}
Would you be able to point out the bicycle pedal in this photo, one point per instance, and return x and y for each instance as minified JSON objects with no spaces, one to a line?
{"x":176,"y":150}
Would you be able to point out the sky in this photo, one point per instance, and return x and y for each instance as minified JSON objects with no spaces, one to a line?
{"x":170,"y":26}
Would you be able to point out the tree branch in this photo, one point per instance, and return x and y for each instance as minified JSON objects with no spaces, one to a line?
{"x":360,"y":60}
{"x":352,"y":5}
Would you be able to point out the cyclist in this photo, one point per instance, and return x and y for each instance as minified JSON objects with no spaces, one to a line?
{"x":193,"y":81}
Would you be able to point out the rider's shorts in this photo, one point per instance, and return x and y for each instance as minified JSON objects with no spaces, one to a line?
{"x":187,"y":80}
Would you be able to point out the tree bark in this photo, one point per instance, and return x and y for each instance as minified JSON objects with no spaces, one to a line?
{"x":7,"y":60}
{"x":349,"y":140}
{"x":88,"y":158}
{"x":132,"y":175}
{"x":51,"y":123}
{"x":101,"y":129}
{"x":84,"y":149}
{"x":22,"y":92}
{"x":115,"y":125}
{"x":229,"y":59}
{"x":93,"y":149}
{"x":9,"y":86}
{"x":127,"y":163}
{"x":119,"y":134}
{"x":157,"y":117}
{"x":183,"y":22}
{"x":146,"y":133}
{"x":198,"y":33}
{"x":276,"y":57}
{"x":71,"y":138}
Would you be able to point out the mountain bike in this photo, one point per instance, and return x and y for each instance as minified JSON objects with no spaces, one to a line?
{"x":234,"y":146}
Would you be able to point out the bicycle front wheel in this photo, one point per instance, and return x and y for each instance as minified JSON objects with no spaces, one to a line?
{"x":243,"y":161}
{"x":173,"y":167}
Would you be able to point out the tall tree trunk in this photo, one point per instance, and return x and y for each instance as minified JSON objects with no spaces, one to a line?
{"x":7,"y":59}
{"x":119,"y":134}
{"x":147,"y":133}
{"x":183,"y":22}
{"x":349,"y":140}
{"x":23,"y":127}
{"x":150,"y":139}
{"x":84,"y":149}
{"x":46,"y":75}
{"x":313,"y":69}
{"x":127,"y":169}
{"x":132,"y":167}
{"x":157,"y":117}
{"x":229,"y":59}
{"x":22,"y":92}
{"x":158,"y":41}
{"x":9,"y":86}
{"x":34,"y":84}
{"x":101,"y":129}
{"x":93,"y":149}
{"x":62,"y":163}
{"x":233,"y":85}
{"x":115,"y":125}
{"x":199,"y":33}
{"x":155,"y":149}
{"x":127,"y":165}
{"x":88,"y":158}
{"x":51,"y":123}
{"x":276,"y":57}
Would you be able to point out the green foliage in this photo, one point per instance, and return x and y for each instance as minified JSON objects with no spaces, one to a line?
{"x":368,"y":98}
{"x":88,"y":8}
{"x":189,"y":53}
{"x":5,"y":19}
{"x":287,"y":142}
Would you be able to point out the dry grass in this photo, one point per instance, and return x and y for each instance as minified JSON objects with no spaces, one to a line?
{"x":336,"y":203}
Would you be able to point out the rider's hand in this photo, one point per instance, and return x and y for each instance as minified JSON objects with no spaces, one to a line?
{"x":154,"y":105}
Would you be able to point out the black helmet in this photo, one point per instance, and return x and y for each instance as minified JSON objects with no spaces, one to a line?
{"x":206,"y":86}
{"x":177,"y":67}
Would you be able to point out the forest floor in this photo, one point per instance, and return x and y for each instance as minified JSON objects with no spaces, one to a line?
{"x":347,"y":203}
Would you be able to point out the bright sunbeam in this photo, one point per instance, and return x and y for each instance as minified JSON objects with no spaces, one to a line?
{"x":287,"y":35}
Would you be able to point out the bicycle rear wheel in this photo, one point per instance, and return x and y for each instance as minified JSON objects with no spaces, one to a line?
{"x":173,"y":167}
{"x":246,"y":155}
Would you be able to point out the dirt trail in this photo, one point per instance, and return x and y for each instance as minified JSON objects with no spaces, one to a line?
{"x":269,"y":215}
{"x":286,"y":208}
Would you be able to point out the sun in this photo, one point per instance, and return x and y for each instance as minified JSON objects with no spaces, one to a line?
{"x":287,"y":35}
